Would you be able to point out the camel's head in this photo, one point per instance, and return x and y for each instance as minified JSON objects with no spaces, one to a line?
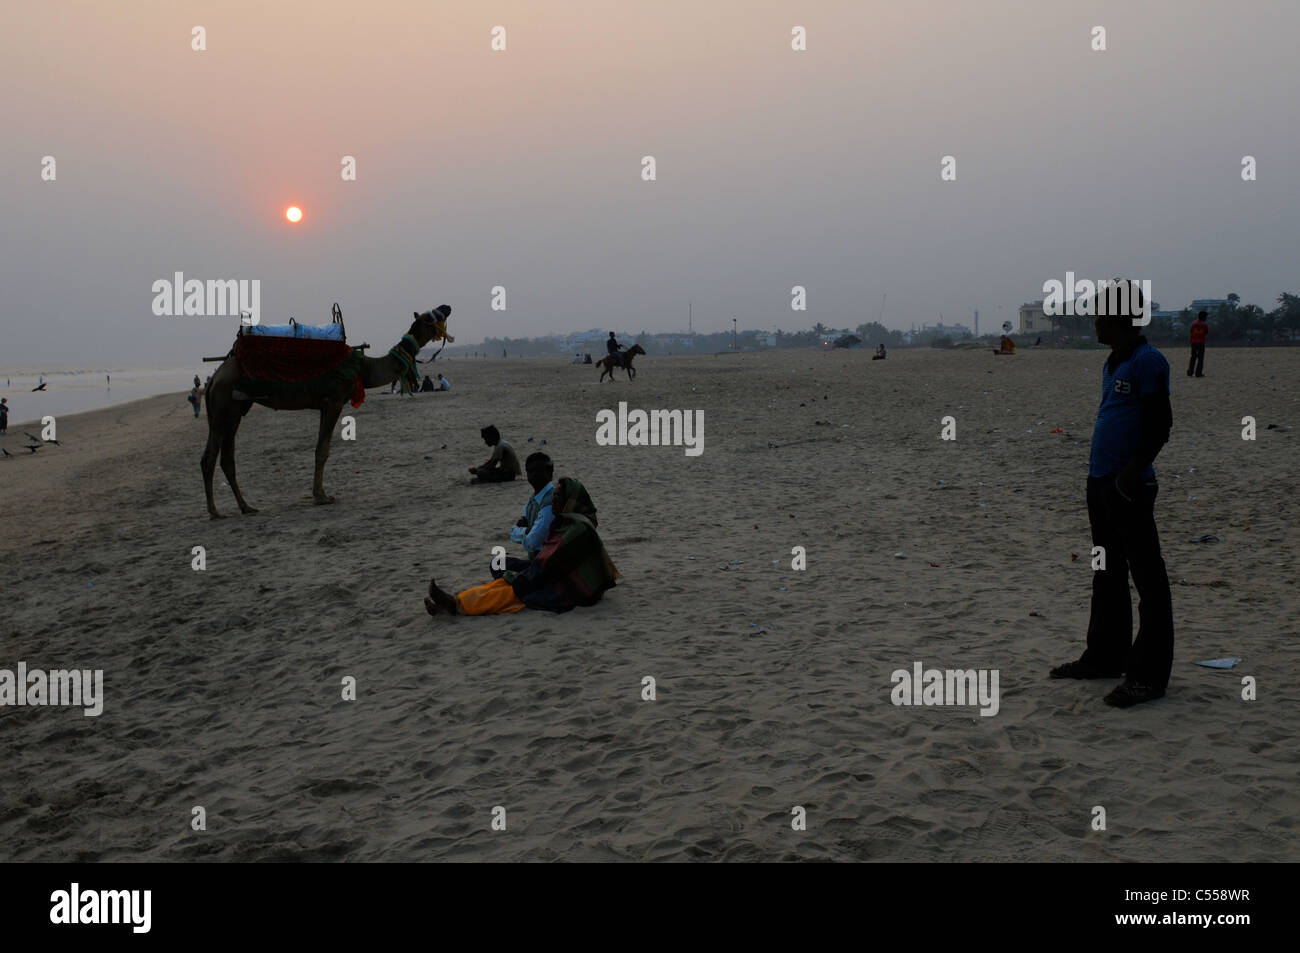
{"x":426,"y":324}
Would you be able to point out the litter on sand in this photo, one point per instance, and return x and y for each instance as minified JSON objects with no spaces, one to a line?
{"x":1219,"y":663}
{"x":1207,"y":538}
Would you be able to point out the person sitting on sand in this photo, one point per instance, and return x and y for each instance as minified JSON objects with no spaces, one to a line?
{"x":1006,"y":345}
{"x":502,"y":466}
{"x":442,"y":384}
{"x":426,"y":387}
{"x":535,"y":524}
{"x":880,"y":353}
{"x":572,"y":568}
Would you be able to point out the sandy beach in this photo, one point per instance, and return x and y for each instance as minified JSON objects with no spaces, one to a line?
{"x":222,"y":686}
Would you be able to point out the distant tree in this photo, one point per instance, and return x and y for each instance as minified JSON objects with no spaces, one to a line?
{"x":873,"y":332}
{"x":1287,"y":313}
{"x":1160,"y":330}
{"x":1230,"y":322}
{"x":1234,"y":299}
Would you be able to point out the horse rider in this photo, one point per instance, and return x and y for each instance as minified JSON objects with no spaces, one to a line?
{"x":613,"y":347}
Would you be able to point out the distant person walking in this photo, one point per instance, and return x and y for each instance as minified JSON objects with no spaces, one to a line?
{"x":4,"y":414}
{"x":196,"y":398}
{"x":1200,"y":331}
{"x":196,"y":380}
{"x":1133,"y":423}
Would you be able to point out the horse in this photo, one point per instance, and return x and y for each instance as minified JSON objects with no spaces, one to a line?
{"x":607,"y":364}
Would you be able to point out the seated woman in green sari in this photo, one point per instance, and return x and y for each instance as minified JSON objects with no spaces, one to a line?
{"x":571,"y":569}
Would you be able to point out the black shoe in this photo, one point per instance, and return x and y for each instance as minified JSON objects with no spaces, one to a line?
{"x":1081,"y":670}
{"x":1133,"y":693}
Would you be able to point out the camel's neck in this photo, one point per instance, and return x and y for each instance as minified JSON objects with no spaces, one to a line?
{"x":377,"y":371}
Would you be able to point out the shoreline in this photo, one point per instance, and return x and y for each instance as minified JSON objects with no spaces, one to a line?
{"x":35,"y":422}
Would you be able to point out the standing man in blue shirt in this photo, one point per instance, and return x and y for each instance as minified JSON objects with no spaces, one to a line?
{"x":1133,"y":424}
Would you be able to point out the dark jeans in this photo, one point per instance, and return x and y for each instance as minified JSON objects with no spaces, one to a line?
{"x":1127,"y":531}
{"x":1197,"y":363}
{"x":513,"y":564}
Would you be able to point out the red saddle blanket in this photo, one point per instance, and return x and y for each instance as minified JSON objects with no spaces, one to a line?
{"x":288,"y":360}
{"x":279,"y":370}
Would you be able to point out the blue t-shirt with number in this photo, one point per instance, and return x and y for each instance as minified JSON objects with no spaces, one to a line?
{"x":1119,"y":418}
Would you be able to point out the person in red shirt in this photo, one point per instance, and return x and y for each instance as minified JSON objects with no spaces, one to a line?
{"x":1200,"y":331}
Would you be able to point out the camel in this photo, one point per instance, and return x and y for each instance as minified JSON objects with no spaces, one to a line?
{"x":607,"y":363}
{"x":225,"y":410}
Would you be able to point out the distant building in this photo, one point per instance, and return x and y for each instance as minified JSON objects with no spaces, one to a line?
{"x":673,"y":339}
{"x":1208,"y":304}
{"x":1034,"y":320}
{"x":944,"y":330}
{"x":1175,"y":318}
{"x":582,"y":341}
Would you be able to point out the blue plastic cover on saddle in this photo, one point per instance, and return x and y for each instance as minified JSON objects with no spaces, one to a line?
{"x":316,"y":332}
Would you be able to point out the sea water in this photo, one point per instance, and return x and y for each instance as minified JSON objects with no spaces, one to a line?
{"x":76,"y":390}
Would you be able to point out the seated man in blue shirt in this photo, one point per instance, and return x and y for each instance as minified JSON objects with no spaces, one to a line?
{"x":1133,"y":423}
{"x":535,"y":523}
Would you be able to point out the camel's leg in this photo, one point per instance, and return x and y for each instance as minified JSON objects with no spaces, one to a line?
{"x":228,"y":461}
{"x":209,"y":463}
{"x":329,"y":416}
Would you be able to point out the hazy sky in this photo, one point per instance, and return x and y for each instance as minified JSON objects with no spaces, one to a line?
{"x":522,"y":168}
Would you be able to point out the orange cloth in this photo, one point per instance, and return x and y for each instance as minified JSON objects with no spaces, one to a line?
{"x":1200,"y":331}
{"x":491,"y":598}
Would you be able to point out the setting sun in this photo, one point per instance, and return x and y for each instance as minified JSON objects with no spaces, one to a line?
{"x":293,"y":213}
